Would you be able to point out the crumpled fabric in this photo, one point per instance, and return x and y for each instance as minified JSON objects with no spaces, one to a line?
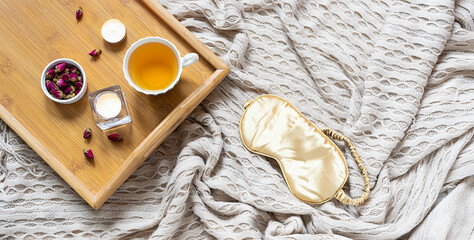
{"x":395,"y":77}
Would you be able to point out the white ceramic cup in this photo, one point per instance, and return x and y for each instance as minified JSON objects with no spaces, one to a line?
{"x":70,"y":62}
{"x":187,"y":60}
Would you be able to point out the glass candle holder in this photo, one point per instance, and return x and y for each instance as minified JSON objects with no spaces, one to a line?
{"x":109,"y":107}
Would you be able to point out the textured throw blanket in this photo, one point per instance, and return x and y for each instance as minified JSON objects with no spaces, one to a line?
{"x":396,"y":77}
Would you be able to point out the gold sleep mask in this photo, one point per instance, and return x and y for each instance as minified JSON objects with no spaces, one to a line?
{"x":313,"y":166}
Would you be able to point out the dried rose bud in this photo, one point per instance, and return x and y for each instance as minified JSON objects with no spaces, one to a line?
{"x":114,"y":137}
{"x":69,"y":89}
{"x":65,"y":77}
{"x":71,"y":95}
{"x":78,"y":87}
{"x":87,"y":133}
{"x":60,"y":67}
{"x":50,"y":73}
{"x":73,"y":77}
{"x":79,"y":13}
{"x":61,"y":83}
{"x":67,"y":70}
{"x":73,"y":69}
{"x":57,"y":94}
{"x":79,"y":79}
{"x":95,"y":52}
{"x":88,"y":153}
{"x":55,"y":80}
{"x":51,"y":86}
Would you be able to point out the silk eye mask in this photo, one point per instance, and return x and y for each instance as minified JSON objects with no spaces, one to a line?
{"x":312,"y":165}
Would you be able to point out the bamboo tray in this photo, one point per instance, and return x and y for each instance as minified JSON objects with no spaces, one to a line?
{"x":33,"y":33}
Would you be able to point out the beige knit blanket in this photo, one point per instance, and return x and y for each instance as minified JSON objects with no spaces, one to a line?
{"x":396,"y":77}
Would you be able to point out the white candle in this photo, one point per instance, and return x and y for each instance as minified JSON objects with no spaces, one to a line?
{"x":108,"y":105}
{"x":113,"y":31}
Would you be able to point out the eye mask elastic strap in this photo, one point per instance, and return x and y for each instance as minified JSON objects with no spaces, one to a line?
{"x":341,"y":195}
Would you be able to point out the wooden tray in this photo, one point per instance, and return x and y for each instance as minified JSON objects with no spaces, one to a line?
{"x":33,"y":33}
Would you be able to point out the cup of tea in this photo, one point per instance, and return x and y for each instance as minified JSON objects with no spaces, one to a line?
{"x":153,"y":65}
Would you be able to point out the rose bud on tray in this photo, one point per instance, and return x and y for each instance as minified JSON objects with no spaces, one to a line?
{"x":95,"y":52}
{"x":87,"y":133}
{"x":88,"y":153}
{"x":115,"y":137}
{"x":79,"y":13}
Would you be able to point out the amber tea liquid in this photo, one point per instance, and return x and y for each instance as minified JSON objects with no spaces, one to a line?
{"x":153,"y":66}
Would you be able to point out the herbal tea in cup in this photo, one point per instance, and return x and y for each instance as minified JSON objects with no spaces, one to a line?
{"x":153,"y":65}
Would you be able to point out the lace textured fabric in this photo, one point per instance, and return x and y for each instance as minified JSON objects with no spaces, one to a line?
{"x":396,"y":77}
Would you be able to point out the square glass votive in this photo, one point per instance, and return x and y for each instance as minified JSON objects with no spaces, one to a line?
{"x":109,"y":107}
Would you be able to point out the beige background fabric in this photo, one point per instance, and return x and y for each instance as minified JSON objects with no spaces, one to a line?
{"x":396,"y":77}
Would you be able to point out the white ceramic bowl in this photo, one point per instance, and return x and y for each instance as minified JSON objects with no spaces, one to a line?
{"x":183,"y":62}
{"x":67,"y":61}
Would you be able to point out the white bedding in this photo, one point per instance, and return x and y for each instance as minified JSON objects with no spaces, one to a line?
{"x":396,"y":77}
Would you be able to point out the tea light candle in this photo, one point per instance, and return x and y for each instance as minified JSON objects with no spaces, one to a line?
{"x":113,"y":31}
{"x":108,"y":105}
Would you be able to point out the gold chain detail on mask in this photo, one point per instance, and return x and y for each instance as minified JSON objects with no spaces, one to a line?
{"x":341,"y":195}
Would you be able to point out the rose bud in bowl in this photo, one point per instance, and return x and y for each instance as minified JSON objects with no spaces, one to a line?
{"x":64,"y":81}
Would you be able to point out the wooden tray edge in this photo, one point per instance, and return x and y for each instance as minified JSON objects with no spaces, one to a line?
{"x":47,"y":156}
